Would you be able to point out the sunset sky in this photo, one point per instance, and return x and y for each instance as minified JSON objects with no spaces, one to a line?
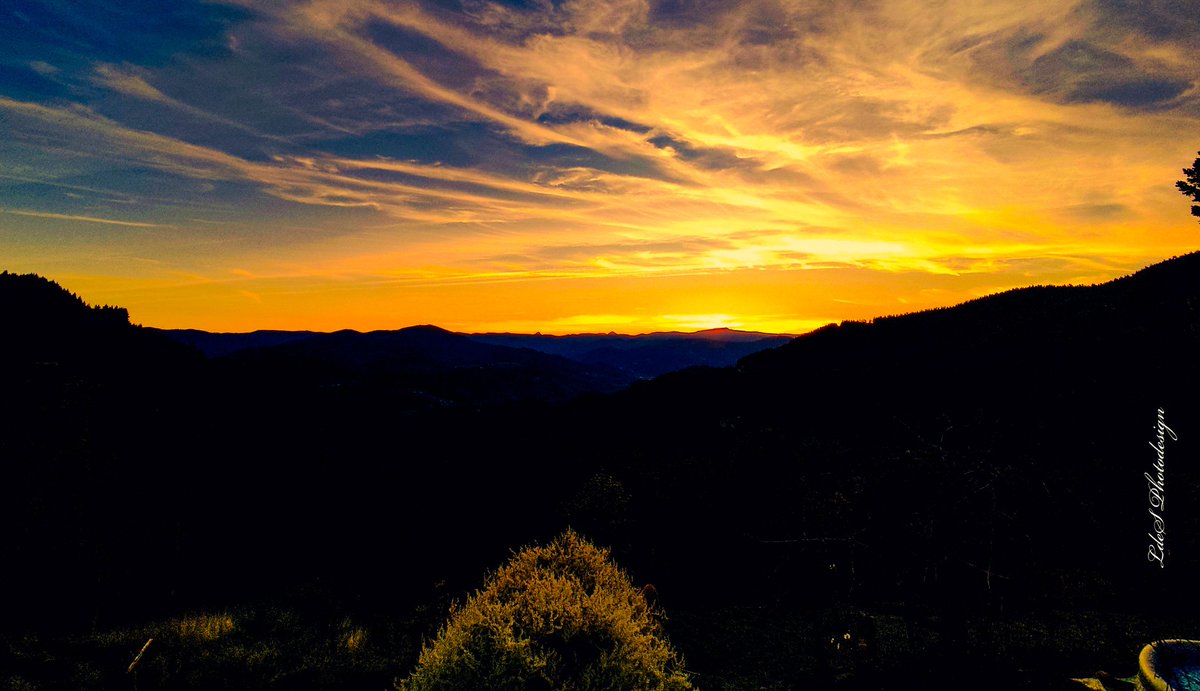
{"x":588,"y":165}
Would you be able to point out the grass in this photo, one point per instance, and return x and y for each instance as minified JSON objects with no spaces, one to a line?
{"x":204,"y":627}
{"x":268,"y":647}
{"x":555,"y":602}
{"x":272,"y":646}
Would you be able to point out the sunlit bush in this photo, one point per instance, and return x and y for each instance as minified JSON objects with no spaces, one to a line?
{"x":204,"y":627}
{"x":560,"y":616}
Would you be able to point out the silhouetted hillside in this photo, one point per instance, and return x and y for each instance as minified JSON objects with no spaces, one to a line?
{"x":1155,"y":306}
{"x":94,"y":411}
{"x":934,"y":450}
{"x":46,"y":324}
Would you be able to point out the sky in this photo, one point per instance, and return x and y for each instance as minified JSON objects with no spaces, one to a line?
{"x":583,"y":165}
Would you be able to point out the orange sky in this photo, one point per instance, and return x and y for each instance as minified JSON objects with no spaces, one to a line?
{"x":590,"y":166}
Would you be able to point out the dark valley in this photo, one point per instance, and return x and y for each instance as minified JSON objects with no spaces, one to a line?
{"x":935,"y":499}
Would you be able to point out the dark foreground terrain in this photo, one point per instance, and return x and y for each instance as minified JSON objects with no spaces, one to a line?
{"x":951,"y":498}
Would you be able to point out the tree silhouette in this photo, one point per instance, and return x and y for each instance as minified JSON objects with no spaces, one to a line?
{"x":1191,"y":186}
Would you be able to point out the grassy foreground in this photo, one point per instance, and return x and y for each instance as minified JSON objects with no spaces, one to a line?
{"x":564,"y":616}
{"x":268,"y":647}
{"x":733,"y":648}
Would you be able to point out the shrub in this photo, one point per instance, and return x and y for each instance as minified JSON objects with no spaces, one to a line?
{"x":560,"y":616}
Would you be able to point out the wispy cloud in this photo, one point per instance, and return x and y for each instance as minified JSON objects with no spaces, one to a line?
{"x":127,"y":81}
{"x":82,"y":219}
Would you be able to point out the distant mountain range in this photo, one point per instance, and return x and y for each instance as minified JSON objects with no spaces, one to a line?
{"x":419,"y":367}
{"x":648,"y":355}
{"x":477,"y":368}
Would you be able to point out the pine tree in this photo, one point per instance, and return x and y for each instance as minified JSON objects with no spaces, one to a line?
{"x":1191,"y":186}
